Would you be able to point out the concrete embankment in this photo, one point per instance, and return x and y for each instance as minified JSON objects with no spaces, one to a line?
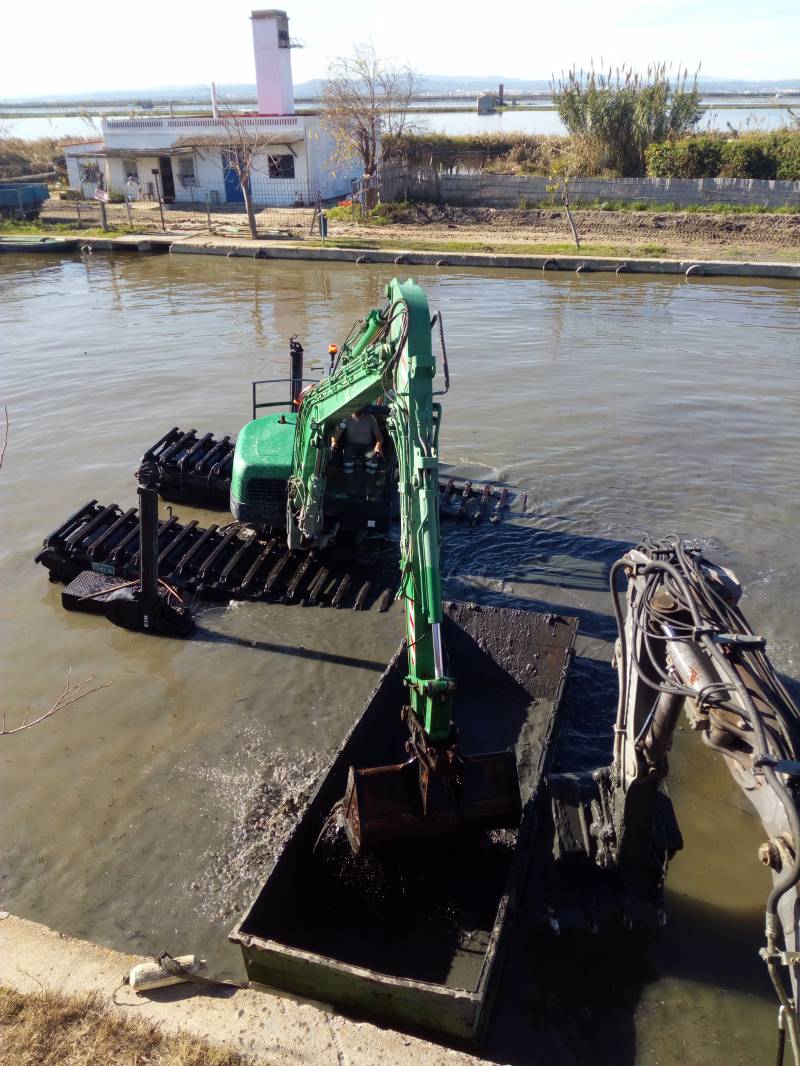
{"x":238,"y":248}
{"x":270,"y":1028}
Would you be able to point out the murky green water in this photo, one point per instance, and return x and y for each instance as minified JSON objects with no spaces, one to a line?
{"x":621,"y":405}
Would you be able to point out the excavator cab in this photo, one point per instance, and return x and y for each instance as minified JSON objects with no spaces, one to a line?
{"x":360,"y":487}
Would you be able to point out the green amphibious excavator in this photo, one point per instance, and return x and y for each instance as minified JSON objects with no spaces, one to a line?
{"x":289,"y":460}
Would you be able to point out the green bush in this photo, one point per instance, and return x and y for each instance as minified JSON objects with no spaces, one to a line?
{"x":513,"y":152}
{"x":706,"y":155}
{"x":748,"y":157}
{"x":754,"y":155}
{"x":688,"y":157}
{"x":788,"y":157}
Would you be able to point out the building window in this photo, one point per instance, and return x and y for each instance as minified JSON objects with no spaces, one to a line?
{"x":130,"y":172}
{"x":89,"y":172}
{"x":281,"y":166}
{"x":186,"y":174}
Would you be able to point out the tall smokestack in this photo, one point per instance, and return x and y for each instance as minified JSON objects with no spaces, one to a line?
{"x":273,"y":54}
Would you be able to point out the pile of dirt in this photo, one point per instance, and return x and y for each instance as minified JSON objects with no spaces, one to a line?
{"x":673,"y":229}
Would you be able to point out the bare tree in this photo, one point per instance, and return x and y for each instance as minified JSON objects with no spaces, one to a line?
{"x":364,"y":98}
{"x":567,"y":164}
{"x":246,"y":151}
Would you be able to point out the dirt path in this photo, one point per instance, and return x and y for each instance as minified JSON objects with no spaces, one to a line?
{"x":712,"y":236}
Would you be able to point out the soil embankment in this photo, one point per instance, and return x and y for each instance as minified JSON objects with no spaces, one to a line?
{"x":673,"y":233}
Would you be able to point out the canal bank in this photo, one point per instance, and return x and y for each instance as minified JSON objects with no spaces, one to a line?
{"x":240,"y":248}
{"x":269,"y":1028}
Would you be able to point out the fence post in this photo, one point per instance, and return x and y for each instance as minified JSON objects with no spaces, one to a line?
{"x":103,"y":216}
{"x":208,"y":210}
{"x":128,"y":211}
{"x":155,"y":172}
{"x":78,"y":210}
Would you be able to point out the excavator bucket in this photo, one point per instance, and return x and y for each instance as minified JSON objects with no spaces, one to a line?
{"x":389,"y":805}
{"x":496,"y":655}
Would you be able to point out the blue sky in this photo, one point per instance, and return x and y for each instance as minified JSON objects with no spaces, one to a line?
{"x":130,"y":45}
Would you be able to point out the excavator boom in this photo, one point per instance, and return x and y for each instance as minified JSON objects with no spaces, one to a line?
{"x":388,"y":361}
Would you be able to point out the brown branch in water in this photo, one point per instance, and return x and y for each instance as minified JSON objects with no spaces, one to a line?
{"x":5,"y":436}
{"x":70,"y":694}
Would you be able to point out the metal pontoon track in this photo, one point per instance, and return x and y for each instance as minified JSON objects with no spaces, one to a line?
{"x":196,"y":468}
{"x":221,"y":562}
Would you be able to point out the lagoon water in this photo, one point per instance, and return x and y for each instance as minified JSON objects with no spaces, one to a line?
{"x":620,"y":405}
{"x":542,"y":119}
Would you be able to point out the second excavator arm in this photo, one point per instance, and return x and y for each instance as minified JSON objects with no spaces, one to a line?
{"x":684,"y":644}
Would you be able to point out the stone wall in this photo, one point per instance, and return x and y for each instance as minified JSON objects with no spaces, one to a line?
{"x":514,"y":191}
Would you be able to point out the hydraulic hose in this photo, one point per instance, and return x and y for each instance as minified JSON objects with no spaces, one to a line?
{"x":789,"y":877}
{"x":773,"y":730}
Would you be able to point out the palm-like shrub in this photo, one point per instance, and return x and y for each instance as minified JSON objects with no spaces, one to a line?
{"x":616,"y":115}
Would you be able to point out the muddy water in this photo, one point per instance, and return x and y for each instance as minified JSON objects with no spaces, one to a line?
{"x":137,"y":817}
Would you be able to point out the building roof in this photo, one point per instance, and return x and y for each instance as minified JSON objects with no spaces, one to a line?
{"x":223,"y":140}
{"x":81,"y":144}
{"x":150,"y":153}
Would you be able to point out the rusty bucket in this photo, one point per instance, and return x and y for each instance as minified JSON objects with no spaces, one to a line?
{"x":388,"y":805}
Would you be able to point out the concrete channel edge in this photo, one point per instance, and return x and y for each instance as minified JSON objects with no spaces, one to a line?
{"x":269,"y":1027}
{"x":400,"y":257}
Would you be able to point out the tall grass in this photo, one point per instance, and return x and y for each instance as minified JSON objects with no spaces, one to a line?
{"x":19,"y":156}
{"x":48,"y":1028}
{"x":615,"y":116}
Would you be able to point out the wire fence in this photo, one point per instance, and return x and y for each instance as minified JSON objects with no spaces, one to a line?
{"x":279,"y":208}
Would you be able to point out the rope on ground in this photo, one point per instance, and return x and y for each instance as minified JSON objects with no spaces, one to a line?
{"x":170,"y":965}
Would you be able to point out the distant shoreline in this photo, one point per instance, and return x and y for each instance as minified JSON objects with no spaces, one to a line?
{"x":74,"y":111}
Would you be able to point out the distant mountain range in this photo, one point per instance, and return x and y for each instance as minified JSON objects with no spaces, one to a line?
{"x":434,"y":83}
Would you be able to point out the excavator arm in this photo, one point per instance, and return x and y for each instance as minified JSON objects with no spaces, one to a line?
{"x":390,"y":358}
{"x":436,"y":790}
{"x":684,"y":644}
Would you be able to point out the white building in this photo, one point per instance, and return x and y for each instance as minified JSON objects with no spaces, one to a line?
{"x":193,"y":159}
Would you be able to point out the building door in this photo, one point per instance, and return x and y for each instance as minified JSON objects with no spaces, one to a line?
{"x":233,"y":186}
{"x":167,"y":179}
